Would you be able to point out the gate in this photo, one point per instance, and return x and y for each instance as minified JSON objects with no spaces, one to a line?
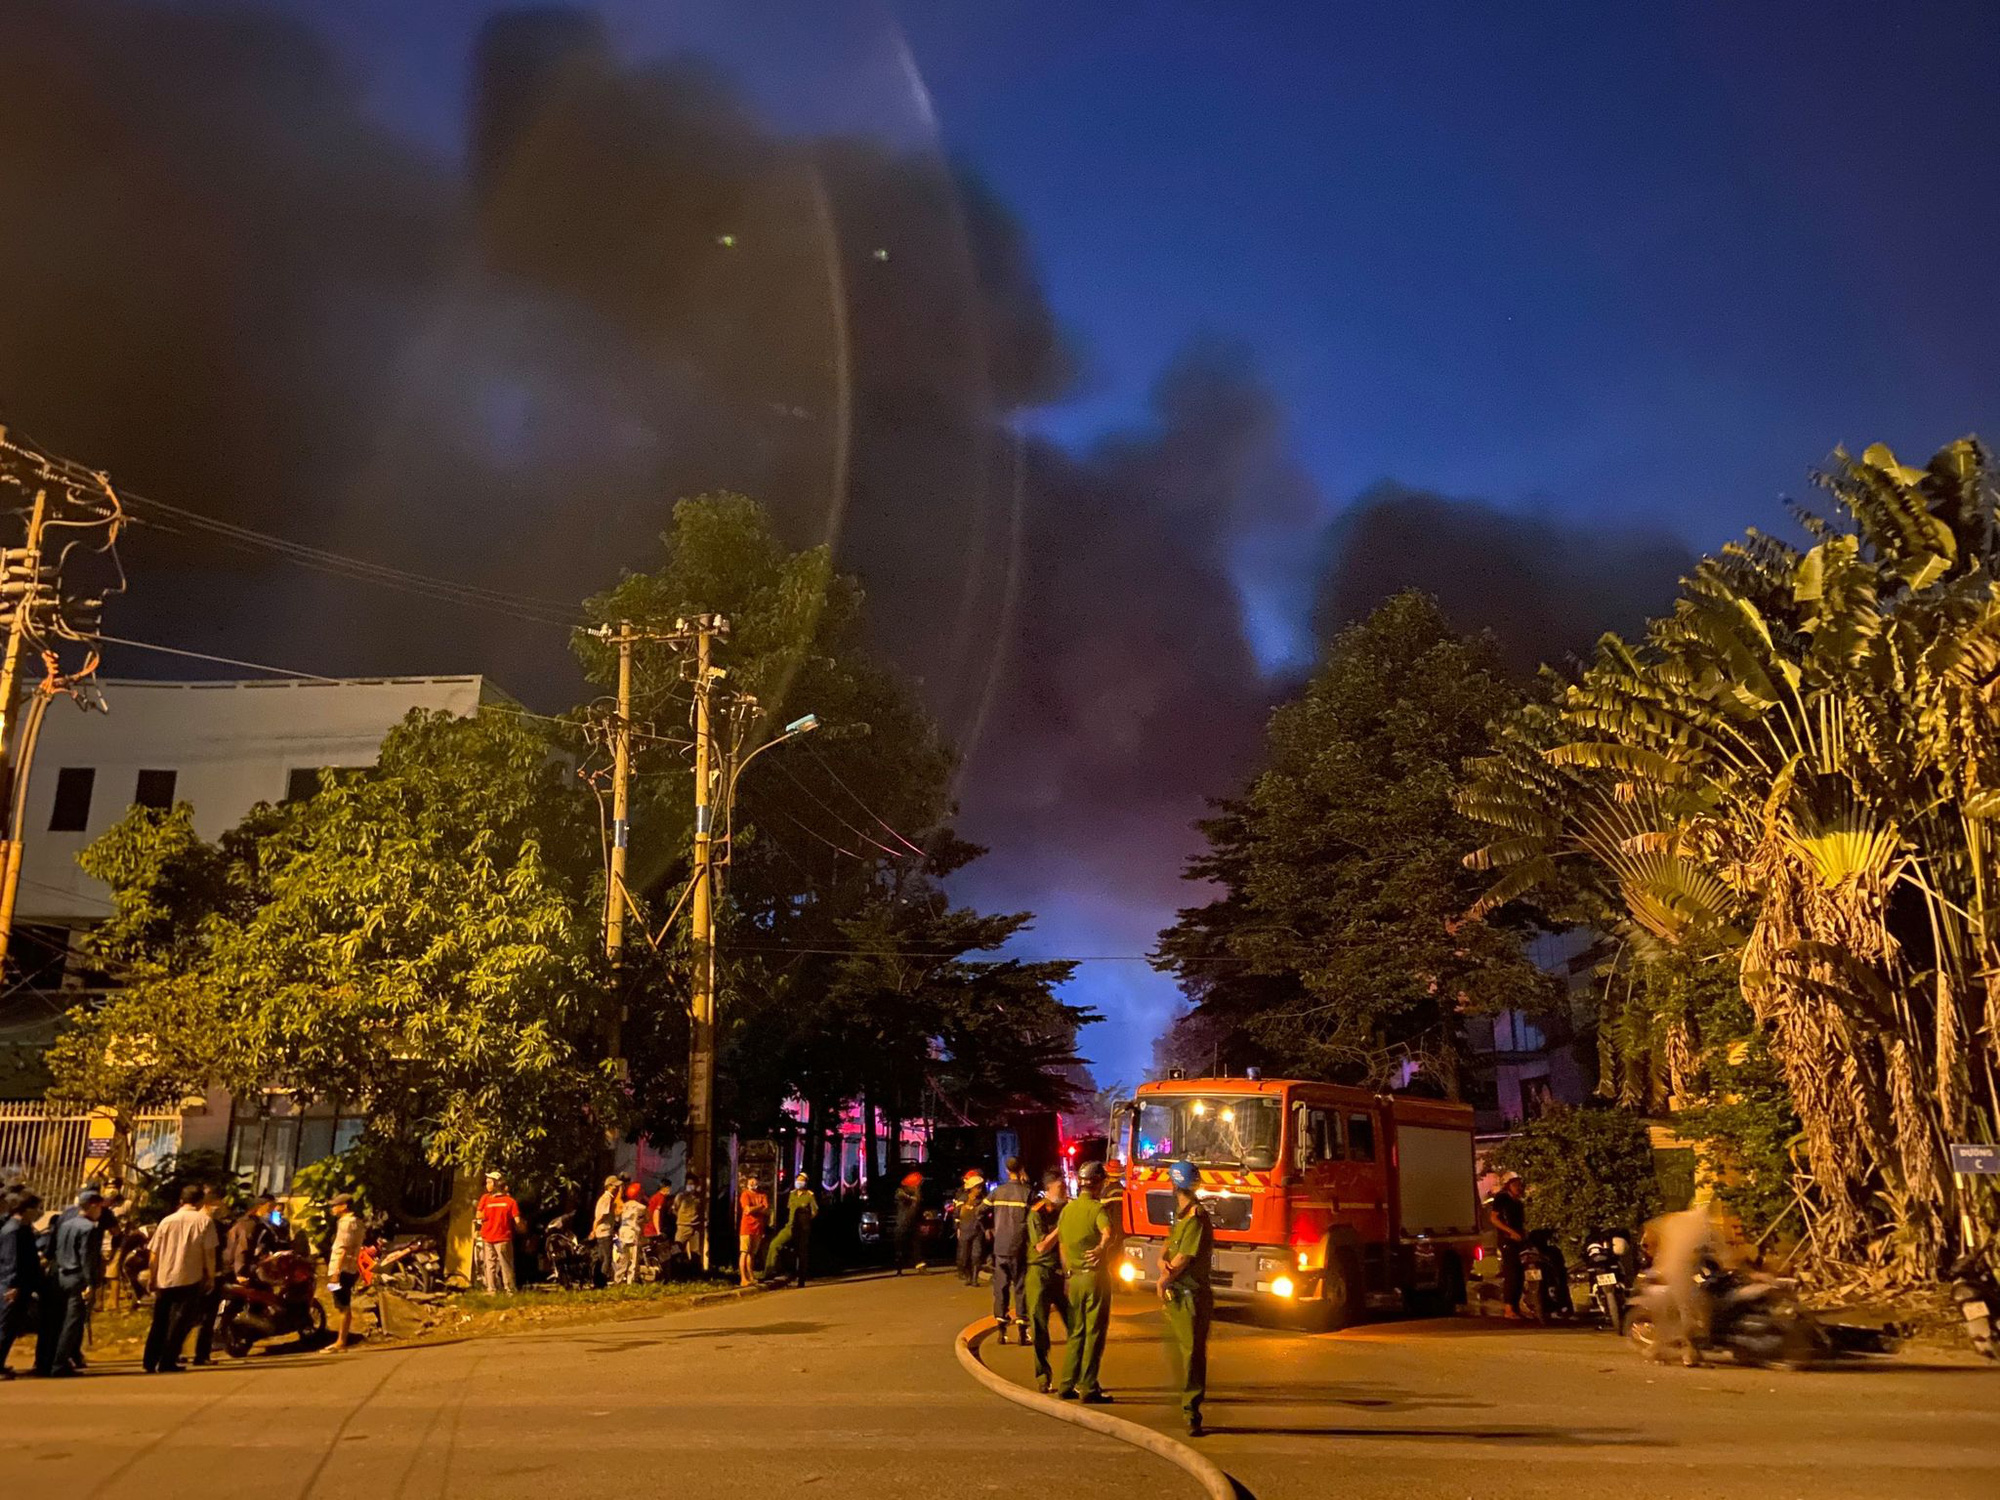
{"x":44,"y":1150}
{"x":51,"y":1151}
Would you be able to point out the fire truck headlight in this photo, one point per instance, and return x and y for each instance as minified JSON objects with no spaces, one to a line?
{"x":1282,"y":1286}
{"x":1127,"y":1272}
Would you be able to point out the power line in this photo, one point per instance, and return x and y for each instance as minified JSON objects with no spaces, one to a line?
{"x":824,"y":766}
{"x":1056,"y":958}
{"x":814,"y":833}
{"x":865,"y":838}
{"x":227,"y":661}
{"x":319,"y":559}
{"x":360,"y":570}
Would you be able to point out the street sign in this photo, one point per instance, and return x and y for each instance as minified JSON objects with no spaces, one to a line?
{"x":1975,"y":1161}
{"x":99,"y":1149}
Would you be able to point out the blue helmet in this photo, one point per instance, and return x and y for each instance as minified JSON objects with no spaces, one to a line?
{"x":1184,"y":1176}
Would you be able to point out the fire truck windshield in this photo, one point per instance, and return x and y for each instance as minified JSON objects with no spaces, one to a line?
{"x":1217,"y":1131}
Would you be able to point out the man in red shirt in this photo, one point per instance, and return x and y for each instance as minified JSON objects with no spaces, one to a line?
{"x":660,"y":1218}
{"x":497,"y":1218}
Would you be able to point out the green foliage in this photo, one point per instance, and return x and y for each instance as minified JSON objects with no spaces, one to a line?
{"x":198,"y":1168}
{"x":313,"y":1186}
{"x":1743,"y":1119}
{"x":416,"y":941}
{"x":1586,"y":1169}
{"x":1796,"y":776}
{"x":1335,"y":948}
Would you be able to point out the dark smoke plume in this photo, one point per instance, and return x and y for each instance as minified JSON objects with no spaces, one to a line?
{"x":1546,"y":589}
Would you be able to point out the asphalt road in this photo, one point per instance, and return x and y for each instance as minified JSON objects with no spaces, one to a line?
{"x":851,"y":1389}
{"x":1476,"y":1409}
{"x":843,"y":1389}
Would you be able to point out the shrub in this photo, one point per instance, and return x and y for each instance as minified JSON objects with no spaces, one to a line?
{"x":1588,"y":1168}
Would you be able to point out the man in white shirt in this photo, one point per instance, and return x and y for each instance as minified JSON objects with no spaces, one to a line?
{"x":343,"y":1265}
{"x":604,"y":1229}
{"x":184,"y":1250}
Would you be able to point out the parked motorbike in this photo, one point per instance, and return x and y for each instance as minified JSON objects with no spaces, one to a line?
{"x":1544,"y":1279}
{"x":1753,"y":1319}
{"x":1610,"y":1258}
{"x":1976,"y":1290}
{"x":280,"y":1296}
{"x":414,"y":1265}
{"x":568,"y":1257}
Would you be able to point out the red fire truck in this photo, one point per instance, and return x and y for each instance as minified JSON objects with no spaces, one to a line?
{"x":1325,"y":1199}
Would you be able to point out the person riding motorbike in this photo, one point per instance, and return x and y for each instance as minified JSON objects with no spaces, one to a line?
{"x":1682,"y":1246}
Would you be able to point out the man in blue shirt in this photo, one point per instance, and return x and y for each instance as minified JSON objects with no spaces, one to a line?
{"x":20,"y":1271}
{"x":76,"y":1265}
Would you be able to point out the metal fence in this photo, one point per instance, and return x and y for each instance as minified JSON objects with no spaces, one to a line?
{"x":50,"y":1150}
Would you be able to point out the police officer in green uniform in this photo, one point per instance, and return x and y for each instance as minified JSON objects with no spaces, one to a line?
{"x":1187,"y":1301}
{"x":1085,"y":1236}
{"x":800,"y":1210}
{"x":1044,"y":1284}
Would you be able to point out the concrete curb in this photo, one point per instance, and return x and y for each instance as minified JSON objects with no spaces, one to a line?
{"x":1214,"y":1483}
{"x":730,"y":1294}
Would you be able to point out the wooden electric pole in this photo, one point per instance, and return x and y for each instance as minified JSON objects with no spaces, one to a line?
{"x":701,"y":1008}
{"x":25,"y":594}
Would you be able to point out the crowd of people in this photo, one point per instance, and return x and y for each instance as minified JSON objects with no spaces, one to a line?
{"x":57,"y":1268}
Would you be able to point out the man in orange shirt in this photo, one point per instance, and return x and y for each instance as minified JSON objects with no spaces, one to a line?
{"x":498,"y":1218}
{"x":753,"y":1219}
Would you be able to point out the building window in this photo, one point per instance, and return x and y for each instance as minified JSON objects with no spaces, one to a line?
{"x":155,"y":789}
{"x":1537,"y":1098}
{"x":38,"y":956}
{"x":266,"y":1149}
{"x":72,"y":810}
{"x":302,"y":783}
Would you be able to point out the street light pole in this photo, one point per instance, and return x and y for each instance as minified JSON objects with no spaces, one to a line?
{"x":714,"y":793}
{"x":701,"y":1009}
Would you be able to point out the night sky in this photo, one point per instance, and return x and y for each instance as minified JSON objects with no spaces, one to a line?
{"x":1283,"y":276}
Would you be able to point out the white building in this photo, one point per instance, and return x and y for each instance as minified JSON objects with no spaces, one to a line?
{"x":222,"y":747}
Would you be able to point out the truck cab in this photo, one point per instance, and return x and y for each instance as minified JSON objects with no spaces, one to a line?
{"x":1325,"y":1199}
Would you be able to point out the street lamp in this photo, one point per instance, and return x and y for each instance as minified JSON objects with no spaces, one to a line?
{"x":793,"y":730}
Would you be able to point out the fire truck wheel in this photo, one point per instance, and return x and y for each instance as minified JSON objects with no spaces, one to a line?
{"x":1340,"y":1302}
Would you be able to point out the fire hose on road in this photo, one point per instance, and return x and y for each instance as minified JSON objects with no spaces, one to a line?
{"x":1214,"y":1483}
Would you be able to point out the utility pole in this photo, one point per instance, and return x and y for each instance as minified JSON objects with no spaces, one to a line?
{"x":701,"y":1009}
{"x":621,"y":838}
{"x":24,"y":585}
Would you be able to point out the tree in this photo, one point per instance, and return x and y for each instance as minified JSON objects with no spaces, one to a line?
{"x":1586,"y":1169}
{"x":845,"y":972}
{"x":1336,"y":946}
{"x":1795,"y":777}
{"x":414,"y":941}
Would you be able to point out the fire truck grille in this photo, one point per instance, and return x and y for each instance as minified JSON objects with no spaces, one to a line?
{"x":1225,"y":1210}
